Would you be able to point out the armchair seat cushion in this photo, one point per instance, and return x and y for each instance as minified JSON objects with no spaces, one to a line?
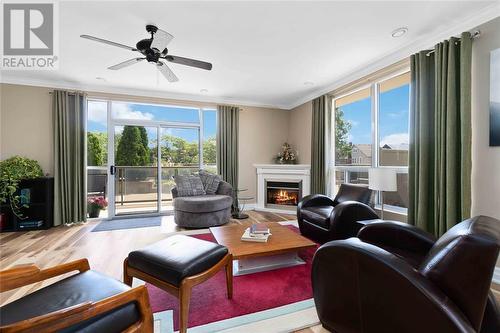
{"x":83,"y":287}
{"x":176,"y":257}
{"x":203,"y":203}
{"x":318,"y":214}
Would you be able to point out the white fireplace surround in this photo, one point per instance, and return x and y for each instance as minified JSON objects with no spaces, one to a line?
{"x":284,"y":173}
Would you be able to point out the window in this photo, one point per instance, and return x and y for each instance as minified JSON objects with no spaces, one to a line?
{"x":138,"y":111}
{"x":370,"y":134}
{"x":209,"y":140}
{"x":97,"y":150}
{"x":97,"y":133}
{"x":393,"y":121}
{"x":353,"y":141}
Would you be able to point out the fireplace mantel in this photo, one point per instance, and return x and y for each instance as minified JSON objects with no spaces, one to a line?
{"x":280,"y":172}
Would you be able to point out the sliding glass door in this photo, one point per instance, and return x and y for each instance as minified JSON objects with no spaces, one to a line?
{"x":180,"y":154}
{"x":135,"y":169}
{"x":135,"y":149}
{"x":139,"y":166}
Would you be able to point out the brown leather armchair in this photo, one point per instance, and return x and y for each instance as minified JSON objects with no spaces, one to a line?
{"x":84,"y":302}
{"x":323,"y":219}
{"x":397,"y":278}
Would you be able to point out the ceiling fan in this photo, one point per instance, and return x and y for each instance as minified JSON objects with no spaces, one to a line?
{"x":154,"y":49}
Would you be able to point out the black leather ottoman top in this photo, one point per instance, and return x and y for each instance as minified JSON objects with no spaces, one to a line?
{"x":176,"y":257}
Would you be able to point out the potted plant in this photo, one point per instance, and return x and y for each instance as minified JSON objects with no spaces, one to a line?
{"x":95,"y":205}
{"x":12,"y":171}
{"x":287,"y":155}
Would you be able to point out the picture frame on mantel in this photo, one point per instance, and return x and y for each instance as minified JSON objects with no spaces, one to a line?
{"x":495,"y":98}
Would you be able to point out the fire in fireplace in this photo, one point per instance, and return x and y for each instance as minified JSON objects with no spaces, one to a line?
{"x":283,"y":194}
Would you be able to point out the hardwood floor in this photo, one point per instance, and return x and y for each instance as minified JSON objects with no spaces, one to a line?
{"x":105,"y":250}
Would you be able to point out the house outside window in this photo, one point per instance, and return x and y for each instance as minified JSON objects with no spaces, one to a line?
{"x":371,"y":129}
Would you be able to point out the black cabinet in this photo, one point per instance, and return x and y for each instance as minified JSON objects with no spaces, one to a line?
{"x":38,"y":194}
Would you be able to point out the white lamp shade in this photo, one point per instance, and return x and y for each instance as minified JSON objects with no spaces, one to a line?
{"x":382,"y":179}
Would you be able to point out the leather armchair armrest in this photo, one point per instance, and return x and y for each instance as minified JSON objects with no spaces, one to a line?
{"x":357,"y":285}
{"x":344,"y":217}
{"x":57,"y":320}
{"x":397,"y":235}
{"x":24,"y":275}
{"x":314,"y":200}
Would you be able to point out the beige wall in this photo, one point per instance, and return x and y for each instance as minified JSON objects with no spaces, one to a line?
{"x":262,"y":132}
{"x":26,"y":124}
{"x":26,"y":129}
{"x":299,"y":131}
{"x":485,"y":159}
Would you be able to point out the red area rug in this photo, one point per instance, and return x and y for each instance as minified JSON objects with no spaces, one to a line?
{"x":251,"y":293}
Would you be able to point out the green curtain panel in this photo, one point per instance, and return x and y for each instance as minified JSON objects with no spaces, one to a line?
{"x":440,"y":136}
{"x":227,"y":145}
{"x":69,"y":157}
{"x":319,"y":144}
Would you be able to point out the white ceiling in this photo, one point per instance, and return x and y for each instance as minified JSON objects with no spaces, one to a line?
{"x":262,"y":52}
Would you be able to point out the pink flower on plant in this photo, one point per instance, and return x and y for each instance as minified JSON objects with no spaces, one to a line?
{"x":99,"y":202}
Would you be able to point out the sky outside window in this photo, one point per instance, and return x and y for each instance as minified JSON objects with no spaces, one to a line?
{"x":97,"y":117}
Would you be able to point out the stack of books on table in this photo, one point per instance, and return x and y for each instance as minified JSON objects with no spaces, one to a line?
{"x":256,"y":233}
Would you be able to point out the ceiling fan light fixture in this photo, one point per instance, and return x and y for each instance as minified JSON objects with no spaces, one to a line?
{"x":399,"y":32}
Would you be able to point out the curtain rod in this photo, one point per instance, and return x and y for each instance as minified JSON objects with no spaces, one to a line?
{"x":70,"y":92}
{"x":474,"y":35}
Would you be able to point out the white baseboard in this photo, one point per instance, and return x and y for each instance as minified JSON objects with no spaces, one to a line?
{"x":250,"y":206}
{"x":496,"y":275}
{"x":274,"y":210}
{"x":253,"y":206}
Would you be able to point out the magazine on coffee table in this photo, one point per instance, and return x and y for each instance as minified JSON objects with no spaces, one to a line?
{"x":250,"y":237}
{"x":259,"y":228}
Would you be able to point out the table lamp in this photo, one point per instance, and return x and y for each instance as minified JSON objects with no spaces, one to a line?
{"x":382,"y":179}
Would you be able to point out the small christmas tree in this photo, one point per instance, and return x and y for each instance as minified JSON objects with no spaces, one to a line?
{"x":287,"y":155}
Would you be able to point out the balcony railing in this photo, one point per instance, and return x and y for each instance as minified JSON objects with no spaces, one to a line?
{"x":136,"y":187}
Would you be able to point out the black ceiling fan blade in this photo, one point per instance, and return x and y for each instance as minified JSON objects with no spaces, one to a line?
{"x":126,"y":63}
{"x":167,"y":72}
{"x":97,"y":39}
{"x":189,"y":62}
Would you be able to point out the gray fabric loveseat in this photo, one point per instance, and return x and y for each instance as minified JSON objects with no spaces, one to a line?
{"x":203,"y":211}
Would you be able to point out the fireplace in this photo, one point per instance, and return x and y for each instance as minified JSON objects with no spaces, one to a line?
{"x":280,"y":187}
{"x":283,"y":194}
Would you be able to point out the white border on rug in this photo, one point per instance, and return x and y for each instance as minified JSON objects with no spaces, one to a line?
{"x":227,"y":325}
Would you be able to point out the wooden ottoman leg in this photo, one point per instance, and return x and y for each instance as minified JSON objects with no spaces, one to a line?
{"x":229,"y":277}
{"x":184,"y":296}
{"x":127,"y":279}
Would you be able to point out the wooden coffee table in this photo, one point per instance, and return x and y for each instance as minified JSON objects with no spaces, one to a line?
{"x":280,"y":250}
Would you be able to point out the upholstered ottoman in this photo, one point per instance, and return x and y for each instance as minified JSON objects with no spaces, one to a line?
{"x":176,"y":264}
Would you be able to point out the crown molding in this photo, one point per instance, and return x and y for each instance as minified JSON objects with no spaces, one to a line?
{"x":427,"y":41}
{"x":134,"y":92}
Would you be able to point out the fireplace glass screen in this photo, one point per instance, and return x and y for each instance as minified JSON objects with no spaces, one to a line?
{"x":283,"y":193}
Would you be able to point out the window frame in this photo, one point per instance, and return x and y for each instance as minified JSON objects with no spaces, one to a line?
{"x":374,"y":87}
